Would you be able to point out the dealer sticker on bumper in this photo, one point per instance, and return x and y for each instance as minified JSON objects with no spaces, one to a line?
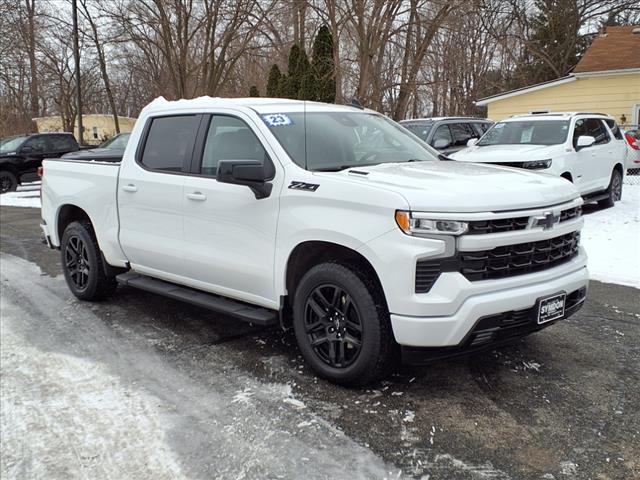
{"x":551,"y":308}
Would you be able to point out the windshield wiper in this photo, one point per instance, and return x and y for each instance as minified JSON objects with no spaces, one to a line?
{"x":444,"y":158}
{"x":339,"y":168}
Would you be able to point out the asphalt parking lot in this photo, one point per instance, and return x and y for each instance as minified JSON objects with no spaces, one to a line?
{"x":140,"y":386}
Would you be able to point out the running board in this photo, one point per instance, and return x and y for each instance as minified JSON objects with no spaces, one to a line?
{"x":595,"y":197}
{"x":242,"y":311}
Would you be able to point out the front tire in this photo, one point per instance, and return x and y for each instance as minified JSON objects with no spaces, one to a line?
{"x":82,"y":263}
{"x":8,"y":182}
{"x":614,"y":191}
{"x":342,"y":325}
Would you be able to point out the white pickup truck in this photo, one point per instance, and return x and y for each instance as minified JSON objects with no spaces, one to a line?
{"x":331,"y":219}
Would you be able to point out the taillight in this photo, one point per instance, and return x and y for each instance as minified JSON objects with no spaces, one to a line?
{"x":632,"y":141}
{"x":40,"y":171}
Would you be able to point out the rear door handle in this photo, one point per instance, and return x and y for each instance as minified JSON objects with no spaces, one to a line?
{"x":198,"y":196}
{"x":130,"y":188}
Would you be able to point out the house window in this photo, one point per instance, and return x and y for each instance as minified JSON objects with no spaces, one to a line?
{"x":95,"y":133}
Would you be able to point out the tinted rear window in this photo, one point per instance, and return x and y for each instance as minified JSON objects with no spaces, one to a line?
{"x":170,"y":142}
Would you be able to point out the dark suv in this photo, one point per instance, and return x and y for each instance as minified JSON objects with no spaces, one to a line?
{"x":447,"y":134}
{"x":21,"y":156}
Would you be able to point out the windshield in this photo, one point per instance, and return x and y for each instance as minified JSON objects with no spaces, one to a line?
{"x":117,"y":142}
{"x":12,"y":144}
{"x":526,"y":132}
{"x":339,"y":140}
{"x":419,"y":129}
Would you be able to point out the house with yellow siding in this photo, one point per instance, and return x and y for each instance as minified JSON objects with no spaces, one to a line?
{"x":606,"y":80}
{"x":96,"y":127}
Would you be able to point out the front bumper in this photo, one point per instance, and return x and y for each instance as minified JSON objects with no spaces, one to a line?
{"x":492,"y":331}
{"x":453,"y":330}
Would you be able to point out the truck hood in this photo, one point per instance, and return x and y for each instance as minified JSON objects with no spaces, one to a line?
{"x":505,"y":153}
{"x":444,"y":186}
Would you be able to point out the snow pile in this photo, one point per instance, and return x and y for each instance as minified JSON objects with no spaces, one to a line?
{"x":27,"y":195}
{"x":611,"y":237}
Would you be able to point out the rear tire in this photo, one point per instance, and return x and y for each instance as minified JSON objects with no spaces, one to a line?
{"x":342,"y":325}
{"x":614,"y":191}
{"x":82,"y":263}
{"x":8,"y":182}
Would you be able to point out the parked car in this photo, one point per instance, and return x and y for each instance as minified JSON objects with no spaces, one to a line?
{"x":327,"y":218}
{"x":447,"y":134}
{"x":632,"y":136}
{"x":585,"y":148}
{"x":109,"y":151}
{"x":21,"y":156}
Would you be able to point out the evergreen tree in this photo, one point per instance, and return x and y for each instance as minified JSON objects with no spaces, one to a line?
{"x":306,"y":89}
{"x":283,"y":87}
{"x":323,"y":68}
{"x":294,"y":72}
{"x":555,"y":36}
{"x":253,"y":91}
{"x":274,"y":81}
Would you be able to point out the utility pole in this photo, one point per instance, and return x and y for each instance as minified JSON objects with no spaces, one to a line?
{"x":76,"y":57}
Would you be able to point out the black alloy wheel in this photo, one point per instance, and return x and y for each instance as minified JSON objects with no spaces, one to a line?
{"x":77,"y":262}
{"x":333,"y":325}
{"x":82,"y":263}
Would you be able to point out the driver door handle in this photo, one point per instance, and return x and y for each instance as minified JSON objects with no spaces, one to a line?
{"x":130,"y":188}
{"x":197,"y":196}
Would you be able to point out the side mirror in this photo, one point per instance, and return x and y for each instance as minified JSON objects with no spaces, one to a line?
{"x":584,"y":141}
{"x":441,"y":143}
{"x":250,"y":173}
{"x":471,"y":142}
{"x":26,"y":149}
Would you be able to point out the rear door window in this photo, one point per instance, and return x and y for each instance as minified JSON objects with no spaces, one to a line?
{"x":169,"y":143}
{"x":62,"y":143}
{"x":229,"y":138}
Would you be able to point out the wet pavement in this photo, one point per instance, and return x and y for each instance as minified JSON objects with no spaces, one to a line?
{"x":146,"y":387}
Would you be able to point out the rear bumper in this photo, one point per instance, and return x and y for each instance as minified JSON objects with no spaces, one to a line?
{"x":453,"y":330}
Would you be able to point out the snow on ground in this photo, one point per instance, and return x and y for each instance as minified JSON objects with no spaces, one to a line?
{"x":611,"y":237}
{"x":28,"y":195}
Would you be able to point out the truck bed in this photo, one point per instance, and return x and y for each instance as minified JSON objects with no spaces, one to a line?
{"x":89,"y":185}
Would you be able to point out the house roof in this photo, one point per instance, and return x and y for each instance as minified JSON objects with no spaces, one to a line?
{"x":519,"y":91}
{"x":615,"y":48}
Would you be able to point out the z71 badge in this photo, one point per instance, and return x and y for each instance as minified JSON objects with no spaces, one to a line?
{"x":311,"y":187}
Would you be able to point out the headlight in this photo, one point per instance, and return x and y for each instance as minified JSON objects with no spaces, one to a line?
{"x":412,"y":225}
{"x":537,"y":164}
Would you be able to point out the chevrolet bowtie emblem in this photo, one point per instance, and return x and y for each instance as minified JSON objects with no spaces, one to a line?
{"x":547,"y":221}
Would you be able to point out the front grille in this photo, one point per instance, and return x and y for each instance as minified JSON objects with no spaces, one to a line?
{"x":478,"y":227}
{"x":570,"y":213}
{"x":500,"y":262}
{"x":519,"y":259}
{"x":495,"y":226}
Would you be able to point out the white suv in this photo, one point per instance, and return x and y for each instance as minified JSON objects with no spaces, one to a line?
{"x":585,"y":148}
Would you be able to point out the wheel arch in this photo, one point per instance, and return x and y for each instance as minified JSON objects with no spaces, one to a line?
{"x":309,"y":253}
{"x":619,"y":167}
{"x":68,"y":213}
